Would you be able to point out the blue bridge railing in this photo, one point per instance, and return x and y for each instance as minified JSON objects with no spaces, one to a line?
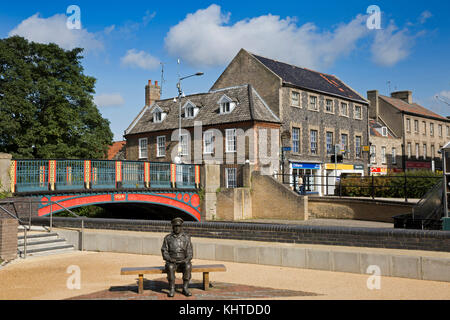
{"x":43,"y":175}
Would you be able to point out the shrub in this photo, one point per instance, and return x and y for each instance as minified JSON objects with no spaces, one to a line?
{"x":418,"y":183}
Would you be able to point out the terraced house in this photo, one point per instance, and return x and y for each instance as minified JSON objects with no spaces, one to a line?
{"x":233,"y":127}
{"x":316,"y":110}
{"x":422,"y":131}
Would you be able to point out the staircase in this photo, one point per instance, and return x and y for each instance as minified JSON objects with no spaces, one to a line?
{"x":40,"y":242}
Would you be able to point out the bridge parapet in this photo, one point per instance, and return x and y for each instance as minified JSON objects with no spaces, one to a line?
{"x":51,"y":175}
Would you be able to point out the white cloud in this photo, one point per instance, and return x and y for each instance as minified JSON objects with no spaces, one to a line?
{"x":425,"y":16}
{"x":445,"y":94}
{"x":205,"y":38}
{"x":54,"y":29}
{"x":391,"y":45}
{"x":109,"y":100}
{"x":140,"y":59}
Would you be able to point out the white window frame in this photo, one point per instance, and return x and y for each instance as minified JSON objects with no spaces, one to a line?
{"x":160,"y":146}
{"x":416,"y":126}
{"x":424,"y":149}
{"x":157,"y":117}
{"x":440,"y":130}
{"x":315,"y":106}
{"x":346,"y":108}
{"x":424,"y":127}
{"x":332,"y":105}
{"x":358,"y":147}
{"x":295,"y":103}
{"x":417,"y":151}
{"x":433,"y":151}
{"x":230,"y":140}
{"x":208,"y":136}
{"x":383,"y":155}
{"x":409,"y":150}
{"x":432,"y":129}
{"x":329,"y":144}
{"x":184,"y":143}
{"x":344,"y":146}
{"x":313,"y":141}
{"x":233,"y":174}
{"x":143,"y":151}
{"x":295,"y":140}
{"x":360,"y":112}
{"x":408,"y":125}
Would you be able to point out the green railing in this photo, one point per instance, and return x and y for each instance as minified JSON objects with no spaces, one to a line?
{"x":44,"y":175}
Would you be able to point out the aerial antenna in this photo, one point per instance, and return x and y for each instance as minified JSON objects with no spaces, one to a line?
{"x":389,"y":86}
{"x":438,"y":98}
{"x":162,"y":78}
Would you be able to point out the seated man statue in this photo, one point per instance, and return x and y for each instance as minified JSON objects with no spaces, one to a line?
{"x":177,"y":253}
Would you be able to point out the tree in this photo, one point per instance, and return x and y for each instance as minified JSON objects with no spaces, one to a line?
{"x":46,"y":103}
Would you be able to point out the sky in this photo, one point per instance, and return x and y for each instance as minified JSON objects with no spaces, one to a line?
{"x":383,"y":45}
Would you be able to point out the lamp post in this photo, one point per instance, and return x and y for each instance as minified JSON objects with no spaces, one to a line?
{"x":180,"y":94}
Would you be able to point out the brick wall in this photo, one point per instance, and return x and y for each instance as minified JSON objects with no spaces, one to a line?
{"x":327,"y":235}
{"x":8,"y":239}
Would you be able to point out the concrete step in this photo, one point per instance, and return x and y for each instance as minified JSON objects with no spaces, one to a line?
{"x":32,"y":228}
{"x":40,"y":242}
{"x":47,"y":251}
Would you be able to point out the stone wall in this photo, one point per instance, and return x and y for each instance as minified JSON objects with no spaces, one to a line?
{"x":8,"y":239}
{"x":5,"y":164}
{"x":273,"y":200}
{"x":368,"y":210}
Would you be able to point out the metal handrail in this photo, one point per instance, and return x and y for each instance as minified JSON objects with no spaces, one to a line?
{"x":51,"y":218}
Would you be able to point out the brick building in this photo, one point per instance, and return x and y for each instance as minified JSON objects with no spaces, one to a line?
{"x":422,"y":131}
{"x":317,"y":111}
{"x":385,"y":149}
{"x":232,"y":127}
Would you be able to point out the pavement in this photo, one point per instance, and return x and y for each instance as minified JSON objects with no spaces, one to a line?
{"x":324,"y":222}
{"x":52,"y":278}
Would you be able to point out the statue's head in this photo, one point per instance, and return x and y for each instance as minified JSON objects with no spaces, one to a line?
{"x":176,"y":225}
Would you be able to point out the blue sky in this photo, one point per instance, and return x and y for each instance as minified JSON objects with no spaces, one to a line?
{"x":126,"y":41}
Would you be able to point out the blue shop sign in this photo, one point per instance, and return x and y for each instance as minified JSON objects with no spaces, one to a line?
{"x":297,"y":165}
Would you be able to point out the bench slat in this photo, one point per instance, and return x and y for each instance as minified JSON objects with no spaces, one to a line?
{"x":159,"y":270}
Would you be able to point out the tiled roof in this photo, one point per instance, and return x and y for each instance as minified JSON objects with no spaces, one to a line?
{"x":249,"y":106}
{"x":309,"y":79}
{"x":412,"y":108}
{"x":374,"y":125}
{"x":115,"y":148}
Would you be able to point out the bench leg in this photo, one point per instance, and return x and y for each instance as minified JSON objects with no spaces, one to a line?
{"x":141,"y":284}
{"x":205,"y":280}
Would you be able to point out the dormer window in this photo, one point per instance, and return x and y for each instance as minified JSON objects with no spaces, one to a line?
{"x":384,"y":131}
{"x":157,"y":117}
{"x":158,"y":114}
{"x":190,"y":110}
{"x":226,"y":105}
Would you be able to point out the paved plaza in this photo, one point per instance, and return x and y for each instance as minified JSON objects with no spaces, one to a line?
{"x":47,"y":277}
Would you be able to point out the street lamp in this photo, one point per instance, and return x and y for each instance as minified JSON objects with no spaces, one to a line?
{"x":180,"y":94}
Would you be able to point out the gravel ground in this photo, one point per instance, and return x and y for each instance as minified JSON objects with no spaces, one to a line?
{"x":47,"y":277}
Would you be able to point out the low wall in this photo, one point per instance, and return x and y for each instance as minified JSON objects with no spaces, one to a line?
{"x":339,"y":259}
{"x":357,"y":209}
{"x":271,"y":199}
{"x":8,"y":239}
{"x":428,"y":240}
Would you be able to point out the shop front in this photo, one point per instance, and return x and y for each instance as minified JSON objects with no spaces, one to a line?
{"x":334,"y":173}
{"x":418,"y":165}
{"x":310,"y":172}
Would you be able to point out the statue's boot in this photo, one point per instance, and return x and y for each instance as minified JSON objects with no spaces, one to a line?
{"x":186,"y":291}
{"x":171,"y":289}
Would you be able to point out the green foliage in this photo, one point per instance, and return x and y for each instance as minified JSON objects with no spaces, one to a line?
{"x":46,"y":103}
{"x":201,"y":194}
{"x":4,"y":194}
{"x":418,"y":183}
{"x":87,"y":211}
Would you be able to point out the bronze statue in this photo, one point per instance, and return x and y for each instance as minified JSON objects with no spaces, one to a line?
{"x":177,"y":252}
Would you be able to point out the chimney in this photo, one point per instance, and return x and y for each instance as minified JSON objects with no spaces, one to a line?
{"x":403,"y":95}
{"x":372,"y":96}
{"x":152,"y":92}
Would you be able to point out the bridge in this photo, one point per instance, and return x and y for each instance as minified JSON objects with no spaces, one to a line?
{"x":60,"y":184}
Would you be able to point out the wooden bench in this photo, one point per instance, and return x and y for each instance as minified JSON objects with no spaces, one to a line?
{"x":206,"y":269}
